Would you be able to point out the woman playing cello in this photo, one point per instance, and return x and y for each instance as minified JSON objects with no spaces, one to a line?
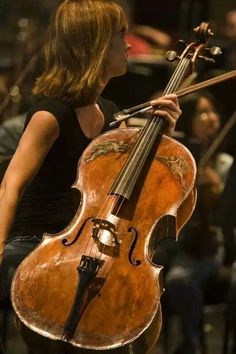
{"x":85,"y":48}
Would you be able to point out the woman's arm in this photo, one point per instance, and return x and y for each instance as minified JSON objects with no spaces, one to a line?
{"x":36,"y":141}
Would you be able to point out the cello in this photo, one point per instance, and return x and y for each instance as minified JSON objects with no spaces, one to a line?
{"x":93,"y":288}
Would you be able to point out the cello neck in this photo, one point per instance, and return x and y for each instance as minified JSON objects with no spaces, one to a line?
{"x":153,"y":130}
{"x":151,"y":135}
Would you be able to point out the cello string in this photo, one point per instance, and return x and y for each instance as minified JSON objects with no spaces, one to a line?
{"x":172,"y":85}
{"x":177,"y":78}
{"x":106,"y":207}
{"x":149,"y":132}
{"x":178,"y":73}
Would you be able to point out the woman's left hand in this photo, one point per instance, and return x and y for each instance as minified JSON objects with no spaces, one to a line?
{"x":168,"y":108}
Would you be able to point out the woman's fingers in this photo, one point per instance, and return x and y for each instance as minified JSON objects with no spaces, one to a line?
{"x":168,"y":108}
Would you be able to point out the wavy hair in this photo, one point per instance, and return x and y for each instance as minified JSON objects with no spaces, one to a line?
{"x":78,"y":42}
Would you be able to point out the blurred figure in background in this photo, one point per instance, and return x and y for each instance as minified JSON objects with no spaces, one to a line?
{"x":173,"y":16}
{"x":200,"y":124}
{"x":144,"y":39}
{"x":230,"y":24}
{"x":230,"y":36}
{"x":193,"y":262}
{"x":226,"y":218}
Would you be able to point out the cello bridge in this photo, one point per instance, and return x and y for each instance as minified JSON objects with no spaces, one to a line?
{"x":105,"y":232}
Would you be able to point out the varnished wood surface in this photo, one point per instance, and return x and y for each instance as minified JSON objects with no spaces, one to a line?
{"x":123,"y":302}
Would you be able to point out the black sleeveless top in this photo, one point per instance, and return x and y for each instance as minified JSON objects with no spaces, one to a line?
{"x":48,"y":204}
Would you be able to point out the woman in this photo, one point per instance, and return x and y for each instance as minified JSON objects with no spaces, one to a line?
{"x":85,"y":48}
{"x":193,"y":262}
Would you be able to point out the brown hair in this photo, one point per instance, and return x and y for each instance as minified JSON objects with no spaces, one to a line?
{"x":77,"y":45}
{"x":189,"y":106}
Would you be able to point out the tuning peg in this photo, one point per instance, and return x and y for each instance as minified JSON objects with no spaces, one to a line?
{"x":215,"y":51}
{"x":171,"y":55}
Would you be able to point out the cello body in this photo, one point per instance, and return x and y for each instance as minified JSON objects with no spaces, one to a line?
{"x":120,"y":309}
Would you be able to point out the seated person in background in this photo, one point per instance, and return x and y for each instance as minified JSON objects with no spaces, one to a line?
{"x":230,"y":36}
{"x":193,"y":262}
{"x":143,"y":38}
{"x":10,"y":133}
{"x":230,"y":24}
{"x":226,"y":218}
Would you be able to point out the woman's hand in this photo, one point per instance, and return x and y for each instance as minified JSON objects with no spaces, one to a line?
{"x":168,"y":108}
